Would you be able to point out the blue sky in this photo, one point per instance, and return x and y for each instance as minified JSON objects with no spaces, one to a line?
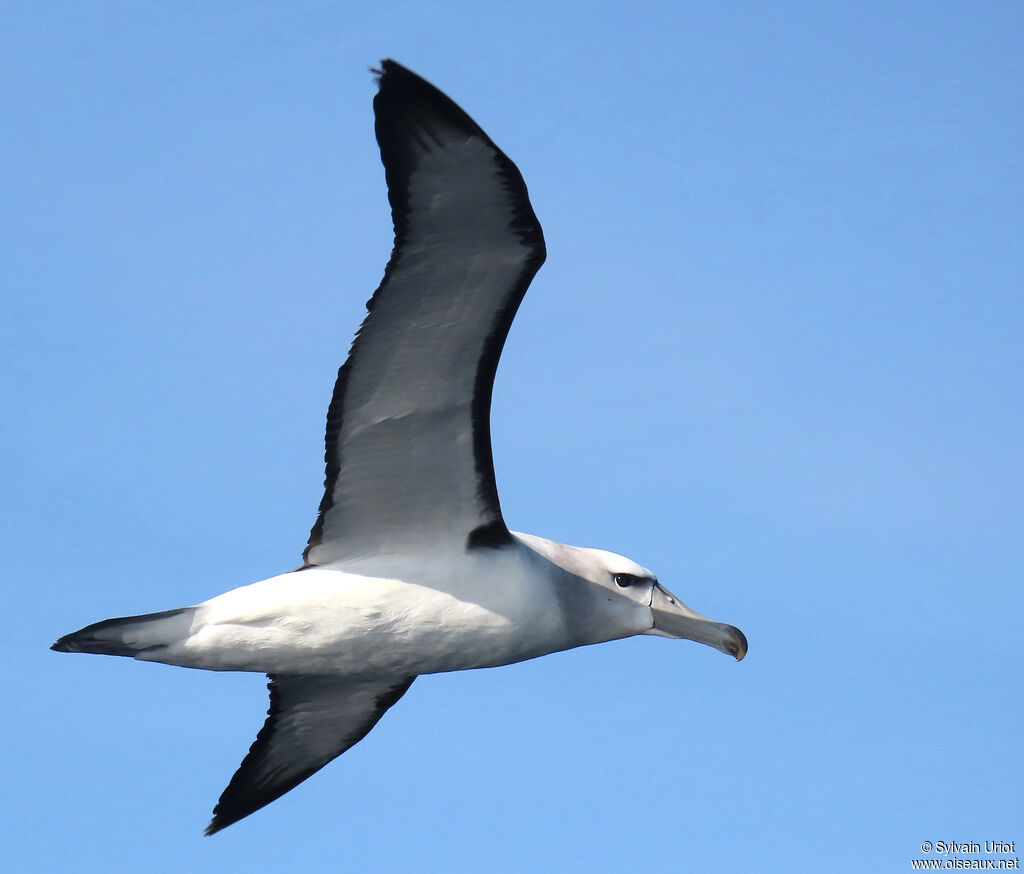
{"x":775,"y":355}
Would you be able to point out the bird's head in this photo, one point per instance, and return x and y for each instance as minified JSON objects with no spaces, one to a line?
{"x":631,"y":599}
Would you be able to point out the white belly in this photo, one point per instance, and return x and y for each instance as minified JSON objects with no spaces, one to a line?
{"x":421,"y":618}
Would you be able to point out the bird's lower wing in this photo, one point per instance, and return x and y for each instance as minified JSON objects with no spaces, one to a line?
{"x":312,"y":719}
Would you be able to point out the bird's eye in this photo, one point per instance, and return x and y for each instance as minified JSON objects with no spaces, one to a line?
{"x":623,"y":580}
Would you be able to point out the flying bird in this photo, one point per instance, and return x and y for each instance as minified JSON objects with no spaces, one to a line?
{"x":410,"y":568}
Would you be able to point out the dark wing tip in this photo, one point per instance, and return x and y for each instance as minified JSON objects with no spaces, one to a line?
{"x":270,"y":769}
{"x":245,"y":796}
{"x":413,"y":117}
{"x":397,"y":84}
{"x":248,"y":791}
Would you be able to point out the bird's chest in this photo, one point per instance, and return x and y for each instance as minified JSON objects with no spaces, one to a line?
{"x":401,"y":627}
{"x":411,"y":621}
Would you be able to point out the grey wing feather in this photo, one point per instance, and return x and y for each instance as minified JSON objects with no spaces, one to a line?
{"x":408,"y":449}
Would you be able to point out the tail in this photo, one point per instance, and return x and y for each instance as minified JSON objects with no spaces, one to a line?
{"x":130,"y":635}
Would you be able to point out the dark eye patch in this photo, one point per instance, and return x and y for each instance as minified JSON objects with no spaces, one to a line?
{"x":624,"y":580}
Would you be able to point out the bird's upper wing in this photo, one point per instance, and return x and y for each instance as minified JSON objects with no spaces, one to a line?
{"x":408,"y":429}
{"x":312,"y":719}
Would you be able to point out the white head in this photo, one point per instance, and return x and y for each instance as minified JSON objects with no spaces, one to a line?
{"x":624,"y":599}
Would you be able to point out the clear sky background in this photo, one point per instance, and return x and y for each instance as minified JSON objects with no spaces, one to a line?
{"x":775,"y":355}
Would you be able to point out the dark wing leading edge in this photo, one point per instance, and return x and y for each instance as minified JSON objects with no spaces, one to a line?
{"x":408,"y":429}
{"x":312,"y":719}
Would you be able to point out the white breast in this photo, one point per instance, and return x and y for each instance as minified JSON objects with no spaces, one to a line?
{"x":408,"y":616}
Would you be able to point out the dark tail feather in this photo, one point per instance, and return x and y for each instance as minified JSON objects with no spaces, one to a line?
{"x":129,"y":635}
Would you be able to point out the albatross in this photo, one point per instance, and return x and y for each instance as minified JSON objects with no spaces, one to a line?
{"x":410,"y":568}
